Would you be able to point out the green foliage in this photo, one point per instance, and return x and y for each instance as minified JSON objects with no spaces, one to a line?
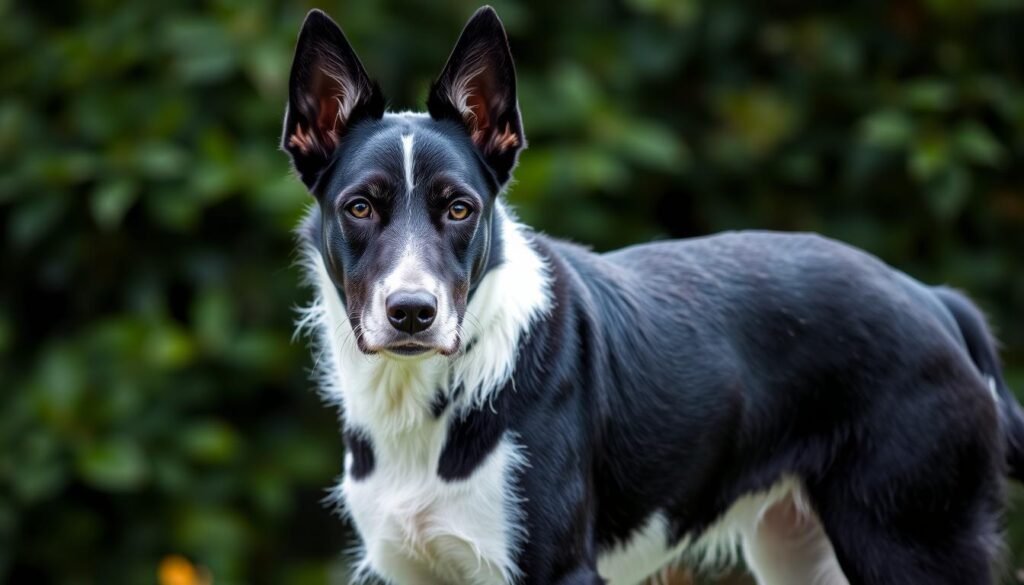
{"x":154,"y":402}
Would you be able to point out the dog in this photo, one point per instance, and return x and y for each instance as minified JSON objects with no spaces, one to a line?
{"x":519,"y":409}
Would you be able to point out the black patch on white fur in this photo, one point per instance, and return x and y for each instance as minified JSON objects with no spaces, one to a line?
{"x":472,"y":436}
{"x":361,"y":449}
{"x":439,"y":404}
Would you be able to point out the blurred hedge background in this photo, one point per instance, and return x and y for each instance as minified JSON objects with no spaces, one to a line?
{"x":153,"y":402}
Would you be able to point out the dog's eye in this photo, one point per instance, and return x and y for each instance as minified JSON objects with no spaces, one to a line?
{"x":458,"y":211}
{"x":359,"y":209}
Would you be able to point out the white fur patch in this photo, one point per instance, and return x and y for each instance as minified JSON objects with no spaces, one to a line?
{"x":789,"y":545}
{"x":993,"y":389}
{"x":645,"y":553}
{"x":407,"y":163}
{"x":811,"y":559}
{"x":415,"y":527}
{"x":506,"y":303}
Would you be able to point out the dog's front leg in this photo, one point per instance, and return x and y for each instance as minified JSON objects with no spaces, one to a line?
{"x":559,"y":510}
{"x":560,"y":563}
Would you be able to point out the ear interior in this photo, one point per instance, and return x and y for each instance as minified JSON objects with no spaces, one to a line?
{"x":324,"y":105}
{"x":329,"y":91}
{"x":478,"y":88}
{"x":480,"y":100}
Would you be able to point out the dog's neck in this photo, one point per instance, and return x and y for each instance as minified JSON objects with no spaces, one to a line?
{"x":387,"y":396}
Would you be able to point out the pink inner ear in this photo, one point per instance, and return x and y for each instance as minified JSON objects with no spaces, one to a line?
{"x":503,"y":140}
{"x":476,"y":101}
{"x":489,"y":139}
{"x":327,"y":120}
{"x":328,"y":93}
{"x":302,"y":140}
{"x":325,"y":98}
{"x":479,"y":105}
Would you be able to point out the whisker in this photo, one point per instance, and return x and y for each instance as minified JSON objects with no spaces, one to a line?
{"x":474,"y":320}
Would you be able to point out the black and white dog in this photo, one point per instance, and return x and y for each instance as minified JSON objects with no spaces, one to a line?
{"x":518,"y":409}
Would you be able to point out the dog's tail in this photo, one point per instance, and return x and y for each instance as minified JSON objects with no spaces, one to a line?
{"x":981,"y":346}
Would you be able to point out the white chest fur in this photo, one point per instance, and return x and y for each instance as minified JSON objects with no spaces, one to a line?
{"x":418,"y":528}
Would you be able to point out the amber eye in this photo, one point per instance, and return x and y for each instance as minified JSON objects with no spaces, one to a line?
{"x":458,"y":211}
{"x":359,"y":209}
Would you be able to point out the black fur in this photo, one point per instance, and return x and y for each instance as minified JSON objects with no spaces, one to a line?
{"x":982,"y":348}
{"x":361,"y":449}
{"x":676,"y":377}
{"x":471,"y":437}
{"x":440,"y":403}
{"x":681,"y":375}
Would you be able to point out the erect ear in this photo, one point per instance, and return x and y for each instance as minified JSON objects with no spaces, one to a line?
{"x":328,"y":93}
{"x":478,"y":89}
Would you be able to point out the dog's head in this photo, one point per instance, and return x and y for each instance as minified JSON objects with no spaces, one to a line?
{"x":406,"y":201}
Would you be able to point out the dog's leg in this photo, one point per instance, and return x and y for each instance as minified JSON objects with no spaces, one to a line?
{"x":919,"y":504}
{"x":877,"y":553}
{"x":788,"y":546}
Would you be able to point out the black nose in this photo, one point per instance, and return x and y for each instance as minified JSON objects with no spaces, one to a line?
{"x":411,"y":312}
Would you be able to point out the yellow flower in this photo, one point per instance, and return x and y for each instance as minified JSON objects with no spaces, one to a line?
{"x":177,"y":570}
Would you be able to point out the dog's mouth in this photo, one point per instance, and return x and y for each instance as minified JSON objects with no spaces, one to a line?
{"x":414,"y":349}
{"x":409,"y":349}
{"x":376,"y":339}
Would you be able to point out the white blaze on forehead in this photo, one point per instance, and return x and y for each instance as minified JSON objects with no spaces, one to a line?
{"x":407,"y":163}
